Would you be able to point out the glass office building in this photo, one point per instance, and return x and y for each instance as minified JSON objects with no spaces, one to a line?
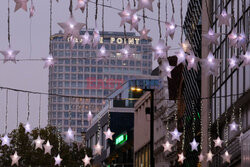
{"x":78,"y":72}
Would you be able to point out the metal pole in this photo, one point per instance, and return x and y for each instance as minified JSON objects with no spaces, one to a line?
{"x":152,"y":161}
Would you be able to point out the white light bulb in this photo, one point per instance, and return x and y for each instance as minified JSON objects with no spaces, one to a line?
{"x":171,"y":27}
{"x":71,"y":26}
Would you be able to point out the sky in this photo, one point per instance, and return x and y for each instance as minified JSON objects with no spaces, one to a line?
{"x":31,"y":37}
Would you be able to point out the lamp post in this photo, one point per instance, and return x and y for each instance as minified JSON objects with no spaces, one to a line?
{"x":136,"y":89}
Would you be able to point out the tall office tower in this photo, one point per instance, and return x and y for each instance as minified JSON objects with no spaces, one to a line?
{"x":78,"y":72}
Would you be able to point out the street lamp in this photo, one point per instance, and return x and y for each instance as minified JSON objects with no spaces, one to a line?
{"x":137,"y":89}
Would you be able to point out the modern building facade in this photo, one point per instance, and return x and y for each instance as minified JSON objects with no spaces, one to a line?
{"x":77,"y":72}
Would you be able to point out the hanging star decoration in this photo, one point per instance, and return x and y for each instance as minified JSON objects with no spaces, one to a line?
{"x":233,"y":62}
{"x":90,"y":116}
{"x":226,"y":157}
{"x":233,"y":38}
{"x":192,"y":61}
{"x":148,"y":4}
{"x":81,"y":4}
{"x":96,"y":37}
{"x":170,"y":28}
{"x":27,"y":128}
{"x":134,"y":22}
{"x":211,"y":37}
{"x":201,"y":157}
{"x":167,"y":146}
{"x":246,"y":58}
{"x":98,"y":149}
{"x":242,"y":41}
{"x":71,"y":27}
{"x":166,"y":68}
{"x":233,"y":126}
{"x":194,"y":145}
{"x":181,"y":158}
{"x":32,"y":10}
{"x":218,"y":142}
{"x":47,"y":148}
{"x":126,"y":15}
{"x":181,"y":57}
{"x":186,"y":46}
{"x":144,"y":33}
{"x":5,"y":140}
{"x":86,"y":160}
{"x":175,"y":134}
{"x":127,"y":52}
{"x":209,"y":156}
{"x":224,"y":18}
{"x":86,"y":38}
{"x":39,"y":143}
{"x":211,"y":65}
{"x":70,"y":134}
{"x":14,"y":158}
{"x":109,"y":134}
{"x":102,"y":53}
{"x":160,"y":50}
{"x":49,"y":61}
{"x":9,"y":55}
{"x":58,"y":160}
{"x":21,"y":4}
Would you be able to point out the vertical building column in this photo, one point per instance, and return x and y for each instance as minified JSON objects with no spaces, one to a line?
{"x":205,"y":82}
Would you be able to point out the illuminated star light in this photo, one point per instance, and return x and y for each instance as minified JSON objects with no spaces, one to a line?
{"x":32,"y":10}
{"x":102,"y":53}
{"x":49,"y":61}
{"x":166,"y":68}
{"x":5,"y":140}
{"x":181,"y":158}
{"x":126,"y":15}
{"x":209,"y":156}
{"x":86,"y":38}
{"x":201,"y":157}
{"x":15,"y":158}
{"x":109,"y":134}
{"x":226,"y":157}
{"x":233,"y":38}
{"x":181,"y":57}
{"x":167,"y":146}
{"x":39,"y":143}
{"x":134,"y":22}
{"x":86,"y":160}
{"x":9,"y":55}
{"x":218,"y":142}
{"x":194,"y":145}
{"x":224,"y":18}
{"x":233,"y":62}
{"x":81,"y":4}
{"x":27,"y":128}
{"x":186,"y":46}
{"x":144,"y":33}
{"x":98,"y":149}
{"x":170,"y":28}
{"x":148,"y":4}
{"x":127,"y":52}
{"x":192,"y":61}
{"x":233,"y":126}
{"x":242,"y":41}
{"x":96,"y":37}
{"x":90,"y":116}
{"x":160,"y":50}
{"x":70,"y":134}
{"x":211,"y":65}
{"x":211,"y":37}
{"x":47,"y":148}
{"x":58,"y":160}
{"x":175,"y":134}
{"x":21,"y":4}
{"x":246,"y":58}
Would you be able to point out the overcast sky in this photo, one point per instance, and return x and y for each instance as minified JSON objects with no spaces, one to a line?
{"x":30,"y":75}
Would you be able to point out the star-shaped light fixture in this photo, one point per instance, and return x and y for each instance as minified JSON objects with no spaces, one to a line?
{"x":233,"y":38}
{"x":71,"y":27}
{"x":86,"y":160}
{"x":201,"y":157}
{"x":39,"y":143}
{"x":90,"y":116}
{"x":81,"y":4}
{"x":126,"y":15}
{"x":233,"y":62}
{"x":148,"y":4}
{"x":181,"y":57}
{"x":175,"y":134}
{"x":9,"y":55}
{"x":47,"y":148}
{"x":224,"y":18}
{"x":211,"y":65}
{"x":70,"y":134}
{"x":144,"y":33}
{"x":218,"y":142}
{"x":194,"y":145}
{"x":58,"y":160}
{"x":246,"y":58}
{"x":96,"y":37}
{"x":86,"y":38}
{"x":211,"y":37}
{"x":242,"y":41}
{"x":192,"y":61}
{"x":167,"y":146}
{"x":209,"y":156}
{"x":5,"y":140}
{"x":109,"y":134}
{"x":233,"y":126}
{"x":32,"y":10}
{"x":127,"y":52}
{"x":49,"y":61}
{"x":160,"y":50}
{"x":170,"y":28}
{"x":14,"y":158}
{"x":166,"y":68}
{"x":226,"y":157}
{"x":181,"y":158}
{"x":186,"y":46}
{"x":102,"y":53}
{"x":134,"y":22}
{"x":98,"y":149}
{"x":21,"y":4}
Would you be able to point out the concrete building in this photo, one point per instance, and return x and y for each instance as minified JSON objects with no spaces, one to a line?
{"x":77,"y":72}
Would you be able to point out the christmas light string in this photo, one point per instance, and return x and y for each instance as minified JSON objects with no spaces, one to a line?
{"x":8,"y":21}
{"x":28,"y":106}
{"x":87,"y":15}
{"x":39,"y":111}
{"x":240,"y":119}
{"x":172,"y":3}
{"x":103,"y":18}
{"x":124,"y":26}
{"x":17,"y":109}
{"x":194,"y":119}
{"x":159,"y":17}
{"x":6,"y":112}
{"x":181,"y":14}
